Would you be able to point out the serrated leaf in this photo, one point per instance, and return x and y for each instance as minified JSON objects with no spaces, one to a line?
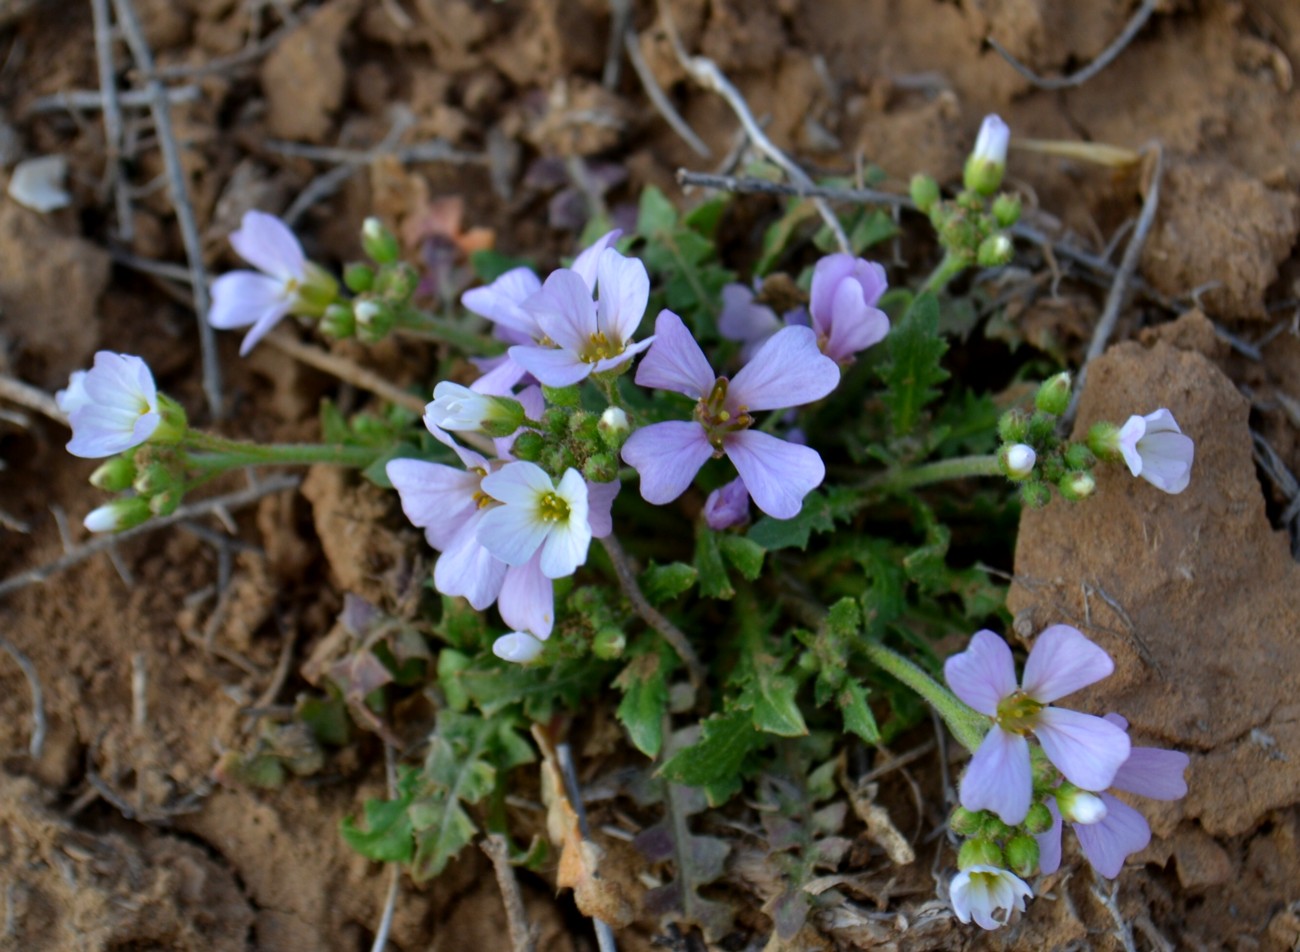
{"x":645,"y":702}
{"x":775,"y":709}
{"x":663,"y":583}
{"x":912,"y":371}
{"x":745,"y":554}
{"x":858,"y":718}
{"x":815,"y":516}
{"x":725,"y":741}
{"x":714,"y":582}
{"x":386,"y":837}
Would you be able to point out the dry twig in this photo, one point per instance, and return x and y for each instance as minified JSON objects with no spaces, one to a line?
{"x":162,"y":117}
{"x":1104,"y":59}
{"x":572,"y":789}
{"x":658,"y":98}
{"x":33,"y":398}
{"x":390,"y":902}
{"x":344,"y":370}
{"x":521,"y":935}
{"x":37,"y":743}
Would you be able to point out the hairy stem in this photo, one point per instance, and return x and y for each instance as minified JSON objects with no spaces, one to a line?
{"x":967,"y":725}
{"x":940,"y":471}
{"x":218,"y":452}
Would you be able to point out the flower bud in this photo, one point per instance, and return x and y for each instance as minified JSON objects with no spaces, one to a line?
{"x":1038,"y":819}
{"x":1079,"y":806}
{"x":1017,"y":460}
{"x":609,"y":643}
{"x":1006,"y":210}
{"x":174,"y":423}
{"x":979,"y":852}
{"x":600,"y":468}
{"x":1103,"y":440}
{"x":317,"y":291}
{"x":397,"y":282}
{"x":165,"y":503}
{"x":358,"y":277}
{"x":1042,"y":429}
{"x":156,"y":478}
{"x":1077,"y":485}
{"x":118,"y":515}
{"x":374,"y":320}
{"x":518,"y":647}
{"x":1022,"y":855}
{"x":988,"y":160}
{"x":556,"y":422}
{"x":584,"y":426}
{"x":1078,"y":456}
{"x":994,"y":251}
{"x":964,"y":822}
{"x":338,"y":322}
{"x":1034,"y":495}
{"x":379,"y":243}
{"x":115,"y":475}
{"x":1054,"y":394}
{"x":561,"y":396}
{"x":1013,"y":426}
{"x":528,"y":446}
{"x":925,"y":192}
{"x":460,"y":409}
{"x":614,"y":427}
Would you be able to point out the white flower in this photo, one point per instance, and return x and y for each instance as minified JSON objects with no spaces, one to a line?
{"x":991,"y":143}
{"x":1155,"y":449}
{"x":117,"y":515}
{"x":259,"y":298}
{"x":518,"y":646}
{"x":111,"y":407}
{"x":981,"y":892}
{"x":459,"y":408}
{"x":1080,"y":806}
{"x":1020,"y":460}
{"x":537,"y":514}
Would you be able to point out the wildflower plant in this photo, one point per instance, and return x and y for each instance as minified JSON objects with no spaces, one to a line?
{"x":735,"y":639}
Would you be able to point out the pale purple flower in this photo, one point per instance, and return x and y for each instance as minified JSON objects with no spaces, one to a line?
{"x":537,"y":515}
{"x":588,"y":336}
{"x":845,"y":291}
{"x":263,"y":297}
{"x":992,"y":141}
{"x":1086,"y":749}
{"x":1120,"y":831}
{"x":1157,"y":450}
{"x":987,"y":894}
{"x":727,"y":506}
{"x":502,"y":303}
{"x":787,"y":371}
{"x":750,"y":323}
{"x":111,"y":407}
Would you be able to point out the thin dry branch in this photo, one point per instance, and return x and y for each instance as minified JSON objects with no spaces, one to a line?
{"x":433,"y":150}
{"x":33,"y":398}
{"x":521,"y":935}
{"x":91,"y":100}
{"x":109,"y":101}
{"x":572,"y":789}
{"x":395,"y":876}
{"x":659,"y":99}
{"x":129,"y":23}
{"x":36,"y":745}
{"x":1104,"y":59}
{"x":344,"y":370}
{"x":236,"y":500}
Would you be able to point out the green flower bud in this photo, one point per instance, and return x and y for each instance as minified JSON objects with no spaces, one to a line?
{"x":614,"y":427}
{"x":584,"y":426}
{"x":157,"y":478}
{"x":118,"y":515}
{"x":979,"y":852}
{"x":317,"y":291}
{"x":561,"y":396}
{"x":924,"y":191}
{"x":1013,"y":426}
{"x":600,"y":468}
{"x":338,"y":322}
{"x":991,"y":827}
{"x":165,"y":503}
{"x":1034,"y":495}
{"x":379,"y":243}
{"x":1022,"y":855}
{"x":358,"y":277}
{"x":995,"y":251}
{"x":1054,"y":395}
{"x":1079,"y":806}
{"x":1042,"y":770}
{"x":1042,"y":429}
{"x":1006,"y":210}
{"x":529,"y":446}
{"x":114,"y":475}
{"x":1078,"y":456}
{"x":174,"y":423}
{"x":609,"y":643}
{"x":397,"y":282}
{"x":375,"y":319}
{"x":1103,"y":440}
{"x":1077,"y":485}
{"x":1038,"y":819}
{"x":965,"y":822}
{"x":988,"y":160}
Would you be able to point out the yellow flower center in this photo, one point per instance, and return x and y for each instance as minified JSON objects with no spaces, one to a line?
{"x":552,"y":507}
{"x":600,"y":347}
{"x":1018,"y":713}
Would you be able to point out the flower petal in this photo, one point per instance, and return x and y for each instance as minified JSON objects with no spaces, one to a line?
{"x":1153,"y":772}
{"x":777,"y":473}
{"x":1049,"y":843}
{"x":675,"y":362}
{"x":600,"y":502}
{"x":1167,"y":460}
{"x":468,"y":569}
{"x":501,"y":301}
{"x":518,"y":484}
{"x":587,"y":262}
{"x":787,"y":371}
{"x":268,"y":245}
{"x":512,"y":533}
{"x":263,"y":326}
{"x":99,"y":431}
{"x":727,"y":506}
{"x":624,"y":289}
{"x":857,"y":324}
{"x":983,"y":674}
{"x":743,"y":320}
{"x":829,"y":274}
{"x":122,"y":381}
{"x":1087,"y":749}
{"x":667,"y":455}
{"x":527,"y":599}
{"x":565,"y":311}
{"x":435,"y":497}
{"x":74,"y":396}
{"x":500,"y":377}
{"x":518,"y":647}
{"x":240,"y":298}
{"x":1113,"y":839}
{"x":1061,"y":662}
{"x":550,"y":365}
{"x":998,"y":777}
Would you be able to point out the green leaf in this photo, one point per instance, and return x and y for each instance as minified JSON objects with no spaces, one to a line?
{"x":704,"y":217}
{"x":725,"y":741}
{"x":745,"y":554}
{"x":656,"y":215}
{"x":387,"y":834}
{"x":858,"y":718}
{"x":714,"y":582}
{"x":490,"y":265}
{"x":871,"y":229}
{"x":377,"y":472}
{"x":820,"y":512}
{"x":782,"y":232}
{"x":663,"y":583}
{"x":773,"y":702}
{"x":912,"y":371}
{"x":333,"y":427}
{"x":644,"y":685}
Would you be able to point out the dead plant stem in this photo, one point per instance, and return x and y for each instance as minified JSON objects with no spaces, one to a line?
{"x":1104,"y":59}
{"x":36,"y":745}
{"x":521,"y":935}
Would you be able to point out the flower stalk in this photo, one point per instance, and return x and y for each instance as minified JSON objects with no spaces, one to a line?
{"x":966,"y":724}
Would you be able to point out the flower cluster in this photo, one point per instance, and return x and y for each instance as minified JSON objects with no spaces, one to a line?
{"x":1015,"y":798}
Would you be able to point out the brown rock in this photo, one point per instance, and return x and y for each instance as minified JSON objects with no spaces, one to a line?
{"x":1201,"y":861}
{"x":304,"y":76}
{"x":1192,"y":595}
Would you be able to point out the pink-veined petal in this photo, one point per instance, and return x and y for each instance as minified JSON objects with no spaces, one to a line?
{"x":675,"y":362}
{"x":983,"y":674}
{"x":1049,"y":843}
{"x":857,"y":324}
{"x":777,"y":473}
{"x":1087,"y":749}
{"x":587,"y":262}
{"x":1061,"y":662}
{"x":667,"y":455}
{"x":998,"y":777}
{"x":435,"y":497}
{"x":829,"y":274}
{"x":468,"y":569}
{"x":565,"y":311}
{"x":502,"y":301}
{"x":552,"y":366}
{"x":600,"y":502}
{"x":624,"y":289}
{"x":1153,"y":772}
{"x":1113,"y":839}
{"x":527,"y":599}
{"x":787,"y":371}
{"x":268,"y":245}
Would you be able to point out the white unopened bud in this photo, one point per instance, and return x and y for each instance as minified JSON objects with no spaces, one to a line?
{"x":1080,"y":806}
{"x":518,"y":647}
{"x":1020,"y":460}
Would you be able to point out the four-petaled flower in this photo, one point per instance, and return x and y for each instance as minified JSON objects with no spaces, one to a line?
{"x":787,"y":371}
{"x":1157,"y":450}
{"x":744,"y":319}
{"x":1086,"y":749}
{"x":845,"y":290}
{"x":260,"y":298}
{"x":537,"y":517}
{"x":1120,"y":831}
{"x":588,"y":336}
{"x":111,"y":407}
{"x":987,"y":894}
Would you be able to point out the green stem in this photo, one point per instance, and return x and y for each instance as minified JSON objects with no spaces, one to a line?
{"x":219,"y":453}
{"x":416,"y":323}
{"x":947,"y":269}
{"x":940,"y":471}
{"x":967,"y":725}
